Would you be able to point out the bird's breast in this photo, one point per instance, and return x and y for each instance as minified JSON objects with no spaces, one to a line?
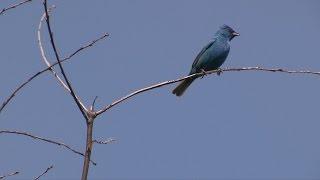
{"x":215,"y":56}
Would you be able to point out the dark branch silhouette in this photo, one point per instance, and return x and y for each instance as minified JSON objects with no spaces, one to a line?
{"x":47,"y":62}
{"x":84,"y":113}
{"x":44,"y":139}
{"x":45,"y":172}
{"x":13,"y":6}
{"x":10,"y":174}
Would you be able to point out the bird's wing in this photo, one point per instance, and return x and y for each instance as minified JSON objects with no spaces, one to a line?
{"x":201,"y":52}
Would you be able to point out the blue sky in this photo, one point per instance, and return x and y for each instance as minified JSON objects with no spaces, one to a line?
{"x":240,"y":125}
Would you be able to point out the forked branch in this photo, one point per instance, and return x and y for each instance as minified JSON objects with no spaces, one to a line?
{"x":90,"y":44}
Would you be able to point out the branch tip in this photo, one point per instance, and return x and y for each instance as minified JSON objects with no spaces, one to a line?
{"x":45,"y":172}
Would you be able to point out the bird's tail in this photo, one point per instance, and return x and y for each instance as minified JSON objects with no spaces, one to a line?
{"x":179,"y":90}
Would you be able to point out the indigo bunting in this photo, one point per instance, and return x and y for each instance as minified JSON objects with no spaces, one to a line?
{"x":211,"y":57}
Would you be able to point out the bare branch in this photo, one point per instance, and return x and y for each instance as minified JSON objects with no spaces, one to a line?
{"x":89,"y":146}
{"x":93,"y":103}
{"x":48,"y":68}
{"x":107,"y":141}
{"x":44,"y":58}
{"x":44,"y":139}
{"x":10,"y":174}
{"x":80,"y":105}
{"x":257,"y":68}
{"x":45,"y":172}
{"x":84,"y":47}
{"x":13,"y":6}
{"x":82,"y":108}
{"x":148,"y":88}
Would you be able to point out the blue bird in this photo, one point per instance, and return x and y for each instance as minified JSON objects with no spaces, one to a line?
{"x":211,"y":57}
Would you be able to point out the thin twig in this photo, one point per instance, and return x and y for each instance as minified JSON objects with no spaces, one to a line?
{"x":44,"y":139}
{"x":257,"y":68}
{"x":84,"y":47}
{"x":93,"y":103}
{"x":45,"y":172}
{"x":13,"y":6}
{"x":107,"y":141}
{"x":10,"y":174}
{"x":201,"y":74}
{"x":48,"y":68}
{"x":44,"y":58}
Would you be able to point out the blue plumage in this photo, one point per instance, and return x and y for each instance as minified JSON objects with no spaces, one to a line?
{"x":211,"y":57}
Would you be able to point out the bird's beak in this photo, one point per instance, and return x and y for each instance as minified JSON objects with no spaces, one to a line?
{"x":235,"y":34}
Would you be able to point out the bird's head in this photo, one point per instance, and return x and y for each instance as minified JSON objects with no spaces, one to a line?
{"x":227,"y":32}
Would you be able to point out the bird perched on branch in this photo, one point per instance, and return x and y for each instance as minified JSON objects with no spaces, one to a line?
{"x":211,"y":57}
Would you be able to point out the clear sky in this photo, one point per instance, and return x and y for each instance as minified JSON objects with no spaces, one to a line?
{"x":240,"y":125}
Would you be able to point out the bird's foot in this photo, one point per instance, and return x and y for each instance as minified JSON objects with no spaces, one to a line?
{"x":219,"y":71}
{"x":204,"y":73}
